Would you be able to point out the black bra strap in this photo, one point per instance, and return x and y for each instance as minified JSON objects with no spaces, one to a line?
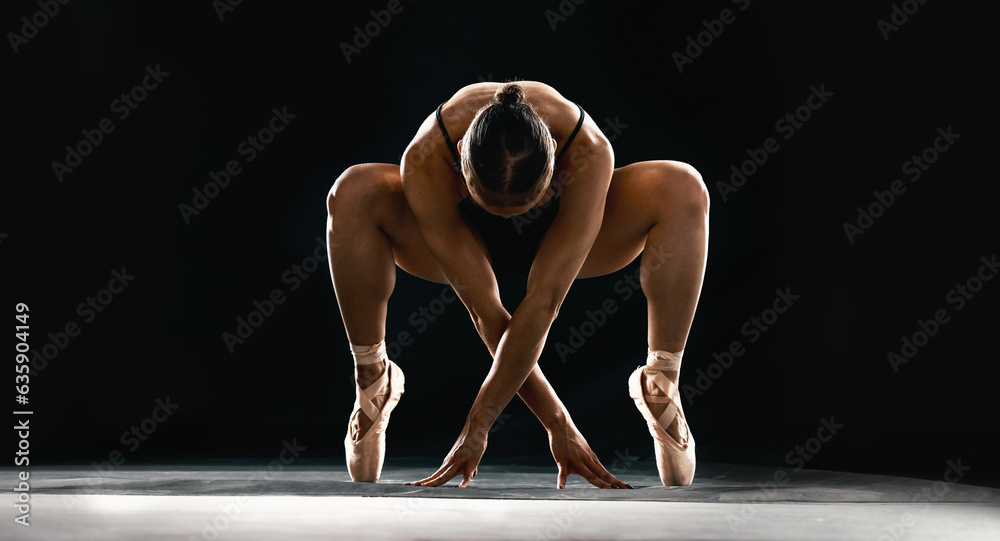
{"x":572,"y":135}
{"x":447,"y":138}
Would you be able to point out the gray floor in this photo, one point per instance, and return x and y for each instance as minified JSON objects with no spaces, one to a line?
{"x":726,"y":502}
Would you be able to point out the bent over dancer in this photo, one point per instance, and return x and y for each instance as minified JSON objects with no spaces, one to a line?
{"x":487,"y":185}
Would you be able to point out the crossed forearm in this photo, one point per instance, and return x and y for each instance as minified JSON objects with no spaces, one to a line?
{"x":535,"y":391}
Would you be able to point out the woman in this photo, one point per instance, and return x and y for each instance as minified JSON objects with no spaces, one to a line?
{"x":515,"y":178}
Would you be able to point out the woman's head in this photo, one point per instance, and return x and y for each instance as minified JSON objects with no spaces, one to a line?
{"x":508,"y":154}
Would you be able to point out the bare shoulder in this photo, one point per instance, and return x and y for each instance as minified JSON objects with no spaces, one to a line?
{"x":549,"y":103}
{"x":427,"y":170}
{"x":429,"y":161}
{"x":562,"y":115}
{"x":535,"y":91}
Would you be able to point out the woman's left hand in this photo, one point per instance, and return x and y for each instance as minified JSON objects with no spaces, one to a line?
{"x":574,"y":455}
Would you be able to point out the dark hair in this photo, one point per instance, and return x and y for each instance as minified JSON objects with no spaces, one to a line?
{"x":507,"y":153}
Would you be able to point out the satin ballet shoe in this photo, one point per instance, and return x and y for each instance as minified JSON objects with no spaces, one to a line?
{"x":366,"y":454}
{"x":675,"y":459}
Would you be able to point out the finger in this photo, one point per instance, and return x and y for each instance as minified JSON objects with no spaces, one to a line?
{"x":430,"y":477}
{"x":604,"y":474}
{"x":436,"y":472}
{"x":466,"y":479}
{"x":438,"y":482}
{"x":614,"y":481}
{"x":592,"y":478}
{"x":418,"y":483}
{"x":594,"y":464}
{"x":425,"y":480}
{"x":468,"y":471}
{"x":563,"y":474}
{"x":447,"y":475}
{"x":596,"y":481}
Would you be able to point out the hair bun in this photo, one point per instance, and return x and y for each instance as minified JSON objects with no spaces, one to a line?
{"x":510,"y":94}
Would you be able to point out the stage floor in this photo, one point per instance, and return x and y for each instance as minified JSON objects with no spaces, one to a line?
{"x":516,"y":503}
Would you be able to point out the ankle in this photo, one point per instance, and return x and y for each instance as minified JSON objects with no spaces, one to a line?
{"x":672,"y":375}
{"x":667,"y":363}
{"x":366,"y":374}
{"x":369,"y":362}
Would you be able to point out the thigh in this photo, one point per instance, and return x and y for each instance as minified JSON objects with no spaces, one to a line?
{"x":394,"y":218}
{"x":637,"y":195}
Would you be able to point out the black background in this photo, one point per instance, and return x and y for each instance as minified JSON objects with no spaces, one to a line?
{"x":292,"y":379}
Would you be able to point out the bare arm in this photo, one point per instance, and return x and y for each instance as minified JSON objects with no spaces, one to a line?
{"x":558,"y":262}
{"x":434,"y":201}
{"x":516,"y":341}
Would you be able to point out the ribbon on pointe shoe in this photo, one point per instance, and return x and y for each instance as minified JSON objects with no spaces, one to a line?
{"x":675,"y":460}
{"x":368,"y":355}
{"x":665,"y":360}
{"x":365,"y":454}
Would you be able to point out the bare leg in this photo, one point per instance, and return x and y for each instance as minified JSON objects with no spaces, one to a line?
{"x":370,"y":229}
{"x":661,"y":209}
{"x":671,"y":275}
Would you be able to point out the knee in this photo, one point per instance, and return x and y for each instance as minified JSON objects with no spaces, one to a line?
{"x":685,"y":189}
{"x":347,"y":189}
{"x":355,"y":189}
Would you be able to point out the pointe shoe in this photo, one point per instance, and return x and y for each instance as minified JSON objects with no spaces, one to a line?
{"x":365,"y":455}
{"x":675,"y":459}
